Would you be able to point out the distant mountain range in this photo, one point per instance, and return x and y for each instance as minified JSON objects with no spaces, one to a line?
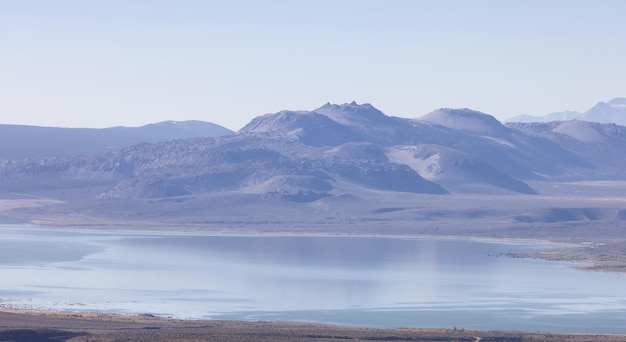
{"x":338,"y":163}
{"x":17,"y":142}
{"x":306,"y":155}
{"x":613,"y":111}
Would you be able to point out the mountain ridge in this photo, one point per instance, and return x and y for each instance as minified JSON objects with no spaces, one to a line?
{"x":344,"y":143}
{"x":612,"y":111}
{"x":355,"y":164}
{"x":24,"y":141}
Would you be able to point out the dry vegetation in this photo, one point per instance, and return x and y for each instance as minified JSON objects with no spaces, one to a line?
{"x":609,"y":257}
{"x":57,"y":327}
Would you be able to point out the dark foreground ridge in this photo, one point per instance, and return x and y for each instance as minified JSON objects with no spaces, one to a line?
{"x":83,"y":327}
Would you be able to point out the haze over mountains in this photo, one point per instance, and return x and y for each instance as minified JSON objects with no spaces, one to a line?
{"x":613,"y":111}
{"x":18,"y":141}
{"x":327,"y":162}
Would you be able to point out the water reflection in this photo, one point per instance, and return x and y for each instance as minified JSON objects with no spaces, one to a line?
{"x":347,"y":280}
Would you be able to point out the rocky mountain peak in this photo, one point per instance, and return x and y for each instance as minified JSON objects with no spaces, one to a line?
{"x":352,"y":112}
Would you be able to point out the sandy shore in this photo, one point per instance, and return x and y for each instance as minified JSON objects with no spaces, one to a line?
{"x":50,"y":326}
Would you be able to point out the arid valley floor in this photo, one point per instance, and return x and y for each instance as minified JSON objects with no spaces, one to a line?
{"x":77,"y":327}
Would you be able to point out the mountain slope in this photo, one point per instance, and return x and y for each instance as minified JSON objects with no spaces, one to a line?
{"x":335,"y":151}
{"x":466,"y":120}
{"x":557,"y":116}
{"x":456,"y":171}
{"x":336,"y":168}
{"x":17,"y":142}
{"x":332,"y":125}
{"x":241,"y":163}
{"x":309,"y":127}
{"x":613,"y":111}
{"x":598,"y":151}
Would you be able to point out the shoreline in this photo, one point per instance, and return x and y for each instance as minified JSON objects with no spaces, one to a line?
{"x":64,"y":319}
{"x":291,"y":233}
{"x":17,"y":325}
{"x":594,"y":257}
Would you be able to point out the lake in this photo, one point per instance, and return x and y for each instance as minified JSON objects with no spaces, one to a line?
{"x":347,"y":280}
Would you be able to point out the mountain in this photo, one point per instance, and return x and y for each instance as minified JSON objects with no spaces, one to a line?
{"x":309,"y":127}
{"x":600,"y":149}
{"x":557,"y":116}
{"x":457,"y":171}
{"x":18,"y":141}
{"x":331,"y":162}
{"x":465,"y":120}
{"x":613,"y":111}
{"x":333,"y":124}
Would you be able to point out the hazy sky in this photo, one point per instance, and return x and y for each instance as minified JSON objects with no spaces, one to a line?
{"x":89,"y":63}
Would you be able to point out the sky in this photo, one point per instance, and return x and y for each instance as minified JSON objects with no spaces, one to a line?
{"x":77,"y":63}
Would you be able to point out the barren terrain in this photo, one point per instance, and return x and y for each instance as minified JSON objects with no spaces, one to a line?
{"x":57,"y":327}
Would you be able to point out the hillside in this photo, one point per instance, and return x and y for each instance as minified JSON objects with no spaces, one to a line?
{"x":17,"y":142}
{"x":337,"y":163}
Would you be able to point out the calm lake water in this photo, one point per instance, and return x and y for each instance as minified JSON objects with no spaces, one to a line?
{"x":361,"y":281}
